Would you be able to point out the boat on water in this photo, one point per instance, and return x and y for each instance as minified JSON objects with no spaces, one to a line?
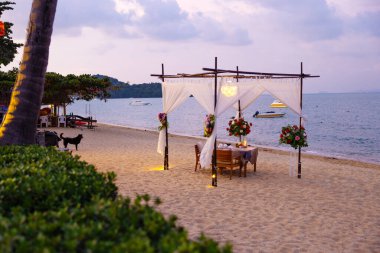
{"x":270,"y":114}
{"x":139,"y":102}
{"x":277,"y":104}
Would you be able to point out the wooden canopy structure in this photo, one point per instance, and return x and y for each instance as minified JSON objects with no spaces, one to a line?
{"x":215,"y":73}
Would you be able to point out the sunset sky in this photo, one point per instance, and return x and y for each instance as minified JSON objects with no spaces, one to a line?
{"x":129,"y":39}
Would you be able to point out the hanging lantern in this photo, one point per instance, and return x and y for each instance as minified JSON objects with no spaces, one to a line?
{"x":229,"y":90}
{"x":2,"y":29}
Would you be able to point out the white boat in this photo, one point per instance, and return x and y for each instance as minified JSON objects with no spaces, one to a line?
{"x":277,"y":104}
{"x":139,"y":102}
{"x":268,"y":115}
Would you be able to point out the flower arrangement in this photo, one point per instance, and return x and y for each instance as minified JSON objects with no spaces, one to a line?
{"x":238,"y":127}
{"x":209,"y":125}
{"x":163,"y":120}
{"x":294,"y":136}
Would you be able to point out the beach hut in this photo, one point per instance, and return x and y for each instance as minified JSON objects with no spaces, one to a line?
{"x":216,"y":90}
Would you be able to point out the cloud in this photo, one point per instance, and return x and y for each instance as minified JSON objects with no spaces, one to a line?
{"x":309,"y":20}
{"x":129,"y":7}
{"x":156,"y":19}
{"x":353,"y":7}
{"x":221,"y":33}
{"x":164,"y":20}
{"x":72,"y":16}
{"x":367,"y":22}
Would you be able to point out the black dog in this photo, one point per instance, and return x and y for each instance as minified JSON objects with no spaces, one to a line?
{"x":75,"y":141}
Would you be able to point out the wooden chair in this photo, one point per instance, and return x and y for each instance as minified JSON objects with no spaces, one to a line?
{"x":197,"y":156}
{"x":224,"y":159}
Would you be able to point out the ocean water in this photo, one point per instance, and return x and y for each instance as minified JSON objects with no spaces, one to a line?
{"x":340,"y":125}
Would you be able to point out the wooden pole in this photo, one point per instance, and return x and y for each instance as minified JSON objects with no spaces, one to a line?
{"x":299,"y":148}
{"x":214,"y":181}
{"x":166,"y":158}
{"x":237,"y":80}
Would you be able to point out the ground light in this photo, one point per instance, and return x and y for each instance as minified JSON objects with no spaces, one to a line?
{"x":157,"y":168}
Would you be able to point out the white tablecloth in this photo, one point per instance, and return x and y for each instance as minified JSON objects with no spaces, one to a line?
{"x":248,"y":154}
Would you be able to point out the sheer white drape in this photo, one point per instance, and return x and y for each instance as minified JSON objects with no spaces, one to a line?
{"x":225,"y":99}
{"x":174,"y":93}
{"x":287,"y":90}
{"x":253,"y":92}
{"x":203,"y":92}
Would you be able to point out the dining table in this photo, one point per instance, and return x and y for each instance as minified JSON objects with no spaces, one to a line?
{"x":245,"y":154}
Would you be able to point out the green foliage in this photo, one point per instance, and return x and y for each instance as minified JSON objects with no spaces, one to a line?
{"x":8,"y":48}
{"x":39,"y":179}
{"x":65,"y":89}
{"x":52,"y":202}
{"x":61,"y":89}
{"x":102,"y":226}
{"x":7,"y":80}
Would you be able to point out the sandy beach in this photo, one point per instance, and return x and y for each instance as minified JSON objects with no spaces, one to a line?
{"x":335,"y":207}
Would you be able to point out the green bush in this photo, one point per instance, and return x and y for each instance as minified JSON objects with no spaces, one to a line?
{"x":52,"y":202}
{"x":36,"y":178}
{"x":101,"y":226}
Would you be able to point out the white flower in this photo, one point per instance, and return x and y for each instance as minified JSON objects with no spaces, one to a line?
{"x":241,"y":131}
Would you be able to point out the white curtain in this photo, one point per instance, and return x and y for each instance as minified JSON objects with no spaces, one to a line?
{"x":173,"y":95}
{"x":253,"y":92}
{"x":228,"y":93}
{"x":175,"y":92}
{"x":287,"y":90}
{"x":203,"y":92}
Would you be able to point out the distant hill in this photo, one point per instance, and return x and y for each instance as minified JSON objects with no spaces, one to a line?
{"x":126,"y":90}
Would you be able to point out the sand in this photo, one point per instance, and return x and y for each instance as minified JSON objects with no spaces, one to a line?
{"x":335,"y":207}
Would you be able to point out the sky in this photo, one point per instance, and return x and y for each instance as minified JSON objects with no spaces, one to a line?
{"x":129,"y":39}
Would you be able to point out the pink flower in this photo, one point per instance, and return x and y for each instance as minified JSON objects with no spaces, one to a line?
{"x":297,"y":138}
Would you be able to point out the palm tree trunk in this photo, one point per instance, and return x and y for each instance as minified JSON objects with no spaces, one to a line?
{"x":20,"y":124}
